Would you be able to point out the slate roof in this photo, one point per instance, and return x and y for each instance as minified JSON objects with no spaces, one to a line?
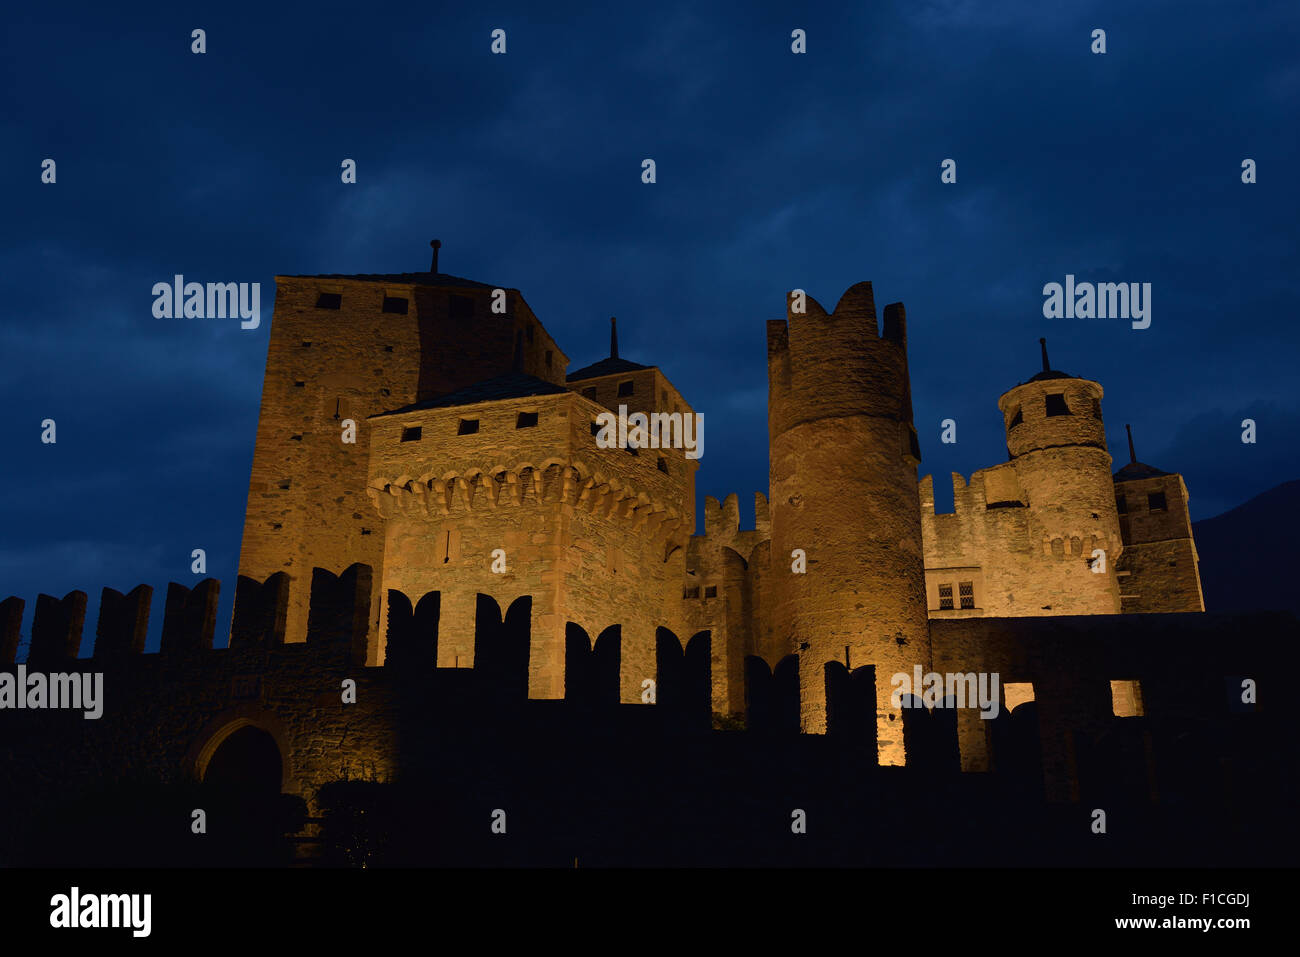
{"x":1137,"y":470}
{"x":407,"y":278}
{"x":512,"y":385}
{"x":607,"y":367}
{"x":1050,"y":374}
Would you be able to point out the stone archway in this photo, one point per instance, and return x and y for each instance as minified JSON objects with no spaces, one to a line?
{"x":218,"y":730}
{"x":240,"y":765}
{"x":245,"y":763}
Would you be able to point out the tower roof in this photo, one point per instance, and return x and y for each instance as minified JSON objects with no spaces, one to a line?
{"x":607,"y":367}
{"x":431,"y":278}
{"x":1048,"y":372}
{"x":1136,"y":469}
{"x":406,"y":278}
{"x":611,"y":366}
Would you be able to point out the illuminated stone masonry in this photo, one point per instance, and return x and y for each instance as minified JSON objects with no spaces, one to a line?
{"x":436,"y":546}
{"x":474,"y":470}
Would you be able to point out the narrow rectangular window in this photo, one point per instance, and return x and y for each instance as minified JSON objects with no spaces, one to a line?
{"x":329,"y":300}
{"x":945,"y":597}
{"x":412,"y":433}
{"x":467,"y":427}
{"x":1056,"y":404}
{"x":526,"y":420}
{"x":966,"y":592}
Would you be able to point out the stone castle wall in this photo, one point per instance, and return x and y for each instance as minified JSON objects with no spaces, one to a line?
{"x":587,"y":531}
{"x":166,"y":714}
{"x":843,"y":489}
{"x":584,"y":530}
{"x":307,"y":503}
{"x":1160,"y":568}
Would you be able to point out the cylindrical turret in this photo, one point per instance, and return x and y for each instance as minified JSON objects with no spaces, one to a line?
{"x":1057,"y":442}
{"x":844,"y":492}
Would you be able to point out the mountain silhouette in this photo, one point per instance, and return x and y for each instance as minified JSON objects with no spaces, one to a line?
{"x":1247,"y":562}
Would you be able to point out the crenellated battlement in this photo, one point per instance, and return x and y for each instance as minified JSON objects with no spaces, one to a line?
{"x":722,"y":520}
{"x":854,"y":313}
{"x":339,"y":609}
{"x":526,"y":587}
{"x":504,"y":636}
{"x":189,"y":620}
{"x":993,"y":496}
{"x":968,"y":496}
{"x":578,"y":483}
{"x":839,"y":364}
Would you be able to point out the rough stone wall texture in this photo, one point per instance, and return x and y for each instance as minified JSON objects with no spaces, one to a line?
{"x":722,"y":591}
{"x":1162,"y":578}
{"x":1025,"y":532}
{"x":164,"y":715}
{"x":1160,"y":569}
{"x":844,"y":489}
{"x":595,"y":536}
{"x":306,"y":499}
{"x":603,"y":537}
{"x":650,"y":392}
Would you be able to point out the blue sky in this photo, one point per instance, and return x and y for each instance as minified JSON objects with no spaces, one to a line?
{"x":775,"y":171}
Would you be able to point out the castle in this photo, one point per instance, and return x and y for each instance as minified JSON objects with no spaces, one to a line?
{"x":433,"y":526}
{"x":469,"y":437}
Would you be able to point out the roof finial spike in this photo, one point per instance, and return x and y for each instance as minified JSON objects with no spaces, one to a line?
{"x":1132,"y":456}
{"x":436,"y":244}
{"x":613,"y":337}
{"x":1043,"y":344}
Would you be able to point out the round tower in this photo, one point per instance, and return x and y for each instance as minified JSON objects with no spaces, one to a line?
{"x":1056,"y":440}
{"x":844,"y":496}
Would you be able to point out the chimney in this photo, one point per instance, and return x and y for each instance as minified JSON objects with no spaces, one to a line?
{"x":436,"y":244}
{"x":1041,"y":342}
{"x":613,"y":337}
{"x":1132,"y":456}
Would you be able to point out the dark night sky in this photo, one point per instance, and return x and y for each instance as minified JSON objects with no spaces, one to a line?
{"x":775,"y":171}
